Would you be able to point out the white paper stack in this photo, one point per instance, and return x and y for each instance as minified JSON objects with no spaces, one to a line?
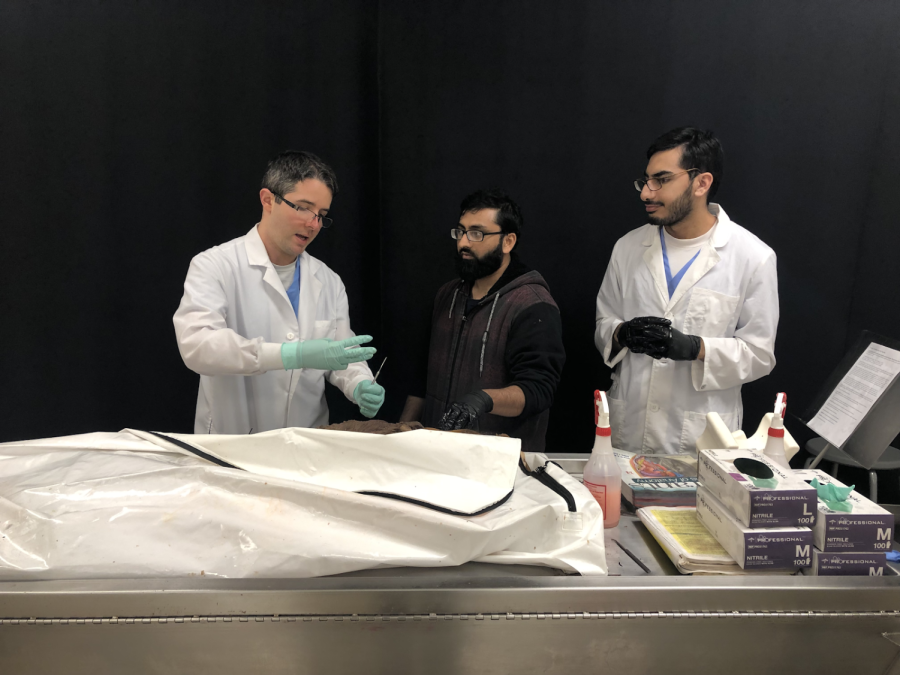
{"x":689,"y":545}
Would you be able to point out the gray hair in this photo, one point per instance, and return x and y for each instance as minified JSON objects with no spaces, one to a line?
{"x":290,"y":167}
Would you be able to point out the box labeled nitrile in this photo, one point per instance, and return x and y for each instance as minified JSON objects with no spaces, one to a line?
{"x":758,"y":492}
{"x":848,"y":564}
{"x":776,"y":548}
{"x":866,"y":527}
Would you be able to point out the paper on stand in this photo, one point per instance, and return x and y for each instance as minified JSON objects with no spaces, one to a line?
{"x":856,"y":393}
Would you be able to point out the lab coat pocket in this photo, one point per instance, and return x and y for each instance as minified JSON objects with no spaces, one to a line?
{"x":695,"y":424}
{"x":324,"y":329}
{"x":710,"y":313}
{"x":617,"y":422}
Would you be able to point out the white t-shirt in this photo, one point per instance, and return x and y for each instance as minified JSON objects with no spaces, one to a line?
{"x":680,"y":251}
{"x":286,"y":273}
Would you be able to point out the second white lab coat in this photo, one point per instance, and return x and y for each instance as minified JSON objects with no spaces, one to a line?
{"x":230,"y":325}
{"x":728,"y":296}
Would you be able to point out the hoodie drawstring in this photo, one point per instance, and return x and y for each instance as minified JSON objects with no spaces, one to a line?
{"x":486,"y":331}
{"x":450,"y":314}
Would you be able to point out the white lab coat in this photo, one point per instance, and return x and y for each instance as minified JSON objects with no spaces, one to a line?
{"x":728,"y":296}
{"x":230,"y":325}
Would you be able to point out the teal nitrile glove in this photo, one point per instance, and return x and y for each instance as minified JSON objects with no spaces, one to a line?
{"x":835,"y":497}
{"x":326,"y":354}
{"x":764,"y":482}
{"x":369,"y":396}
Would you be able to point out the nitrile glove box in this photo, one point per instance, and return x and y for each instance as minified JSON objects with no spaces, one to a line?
{"x":776,"y":548}
{"x":790,"y":503}
{"x":848,"y":564}
{"x":868,"y":527}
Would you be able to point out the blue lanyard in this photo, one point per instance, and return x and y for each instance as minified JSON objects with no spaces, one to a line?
{"x":671,"y":281}
{"x":293,"y":291}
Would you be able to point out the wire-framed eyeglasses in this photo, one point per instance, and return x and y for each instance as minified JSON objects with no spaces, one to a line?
{"x":471,"y":235}
{"x":304,"y":212}
{"x":654,"y":184}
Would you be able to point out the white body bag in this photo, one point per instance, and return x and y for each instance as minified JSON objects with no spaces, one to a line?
{"x":287,"y":503}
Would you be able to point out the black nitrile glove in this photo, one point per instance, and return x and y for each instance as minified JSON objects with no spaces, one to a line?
{"x":656,"y":338}
{"x":681,"y":347}
{"x":465,"y":412}
{"x":644,"y":334}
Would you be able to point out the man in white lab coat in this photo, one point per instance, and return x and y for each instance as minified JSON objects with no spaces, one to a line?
{"x":688,"y":308}
{"x":264,"y":323}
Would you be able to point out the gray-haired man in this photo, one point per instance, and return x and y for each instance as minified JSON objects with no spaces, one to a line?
{"x":264,"y":323}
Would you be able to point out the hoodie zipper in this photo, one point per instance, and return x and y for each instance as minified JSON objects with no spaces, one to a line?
{"x":541,"y":476}
{"x":462,"y":327}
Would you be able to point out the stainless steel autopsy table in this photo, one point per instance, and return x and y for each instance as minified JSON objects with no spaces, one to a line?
{"x":478,"y":618}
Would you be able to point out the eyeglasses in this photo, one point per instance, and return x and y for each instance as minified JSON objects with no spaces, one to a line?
{"x":325,"y":221}
{"x":654,"y":184}
{"x":472,"y":235}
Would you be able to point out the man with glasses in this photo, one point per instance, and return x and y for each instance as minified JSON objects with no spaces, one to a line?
{"x":496,"y":351}
{"x":264,"y":323}
{"x":688,"y":308}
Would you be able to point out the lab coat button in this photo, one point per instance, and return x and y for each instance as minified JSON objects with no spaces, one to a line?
{"x":654,"y":407}
{"x":290,"y":336}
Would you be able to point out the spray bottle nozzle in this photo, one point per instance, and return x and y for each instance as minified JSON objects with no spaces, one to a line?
{"x":601,"y":409}
{"x":781,"y":404}
{"x":776,"y":428}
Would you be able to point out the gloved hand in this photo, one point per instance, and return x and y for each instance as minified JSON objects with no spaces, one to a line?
{"x":369,"y":396}
{"x":326,"y":354}
{"x":465,"y":412}
{"x":655,"y":337}
{"x":643,"y":334}
{"x":681,"y":347}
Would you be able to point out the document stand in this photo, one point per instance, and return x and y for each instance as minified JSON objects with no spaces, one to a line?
{"x":880,"y":425}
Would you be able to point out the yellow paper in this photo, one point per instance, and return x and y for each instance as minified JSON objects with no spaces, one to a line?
{"x":689,"y":532}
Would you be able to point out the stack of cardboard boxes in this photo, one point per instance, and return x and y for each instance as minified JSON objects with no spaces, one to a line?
{"x":760,"y":513}
{"x":849,"y":542}
{"x":770,"y":518}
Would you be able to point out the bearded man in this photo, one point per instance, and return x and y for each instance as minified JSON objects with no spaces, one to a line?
{"x":688,"y":308}
{"x":496,"y":352}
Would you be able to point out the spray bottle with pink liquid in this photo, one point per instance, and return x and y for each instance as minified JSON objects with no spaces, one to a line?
{"x":602,"y":475}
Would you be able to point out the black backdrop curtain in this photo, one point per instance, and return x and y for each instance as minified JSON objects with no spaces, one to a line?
{"x":134,"y":135}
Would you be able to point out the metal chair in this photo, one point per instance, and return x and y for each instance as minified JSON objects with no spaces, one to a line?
{"x":889,"y":460}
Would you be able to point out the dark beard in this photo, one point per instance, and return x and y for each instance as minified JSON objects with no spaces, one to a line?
{"x":679,"y":210}
{"x":478,"y":268}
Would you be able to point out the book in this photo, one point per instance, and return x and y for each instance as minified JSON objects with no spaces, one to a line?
{"x":658,"y":480}
{"x":689,"y":545}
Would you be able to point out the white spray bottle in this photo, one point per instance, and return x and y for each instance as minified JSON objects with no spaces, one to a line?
{"x":775,"y":441}
{"x":602,"y":475}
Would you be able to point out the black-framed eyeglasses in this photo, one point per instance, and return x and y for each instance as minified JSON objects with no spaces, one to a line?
{"x":654,"y":184}
{"x":472,"y":235}
{"x":325,"y":221}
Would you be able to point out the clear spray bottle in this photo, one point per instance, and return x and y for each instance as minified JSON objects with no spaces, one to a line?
{"x":602,"y":475}
{"x":775,"y":440}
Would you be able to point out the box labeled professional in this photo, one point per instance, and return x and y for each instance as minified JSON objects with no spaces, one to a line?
{"x":758,"y":492}
{"x":848,"y":564}
{"x":860,"y":526}
{"x":778,"y":548}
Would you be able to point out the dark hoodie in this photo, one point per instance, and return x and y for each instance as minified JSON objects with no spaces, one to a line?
{"x":512,"y":336}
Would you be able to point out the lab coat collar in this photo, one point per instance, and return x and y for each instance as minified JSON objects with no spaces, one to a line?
{"x":720,"y":237}
{"x":257,"y":255}
{"x":310,"y":284}
{"x":707,"y":259}
{"x":724,"y":228}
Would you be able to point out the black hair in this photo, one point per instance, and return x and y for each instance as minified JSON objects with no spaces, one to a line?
{"x":509,"y":216}
{"x":700,"y":150}
{"x":290,"y":167}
